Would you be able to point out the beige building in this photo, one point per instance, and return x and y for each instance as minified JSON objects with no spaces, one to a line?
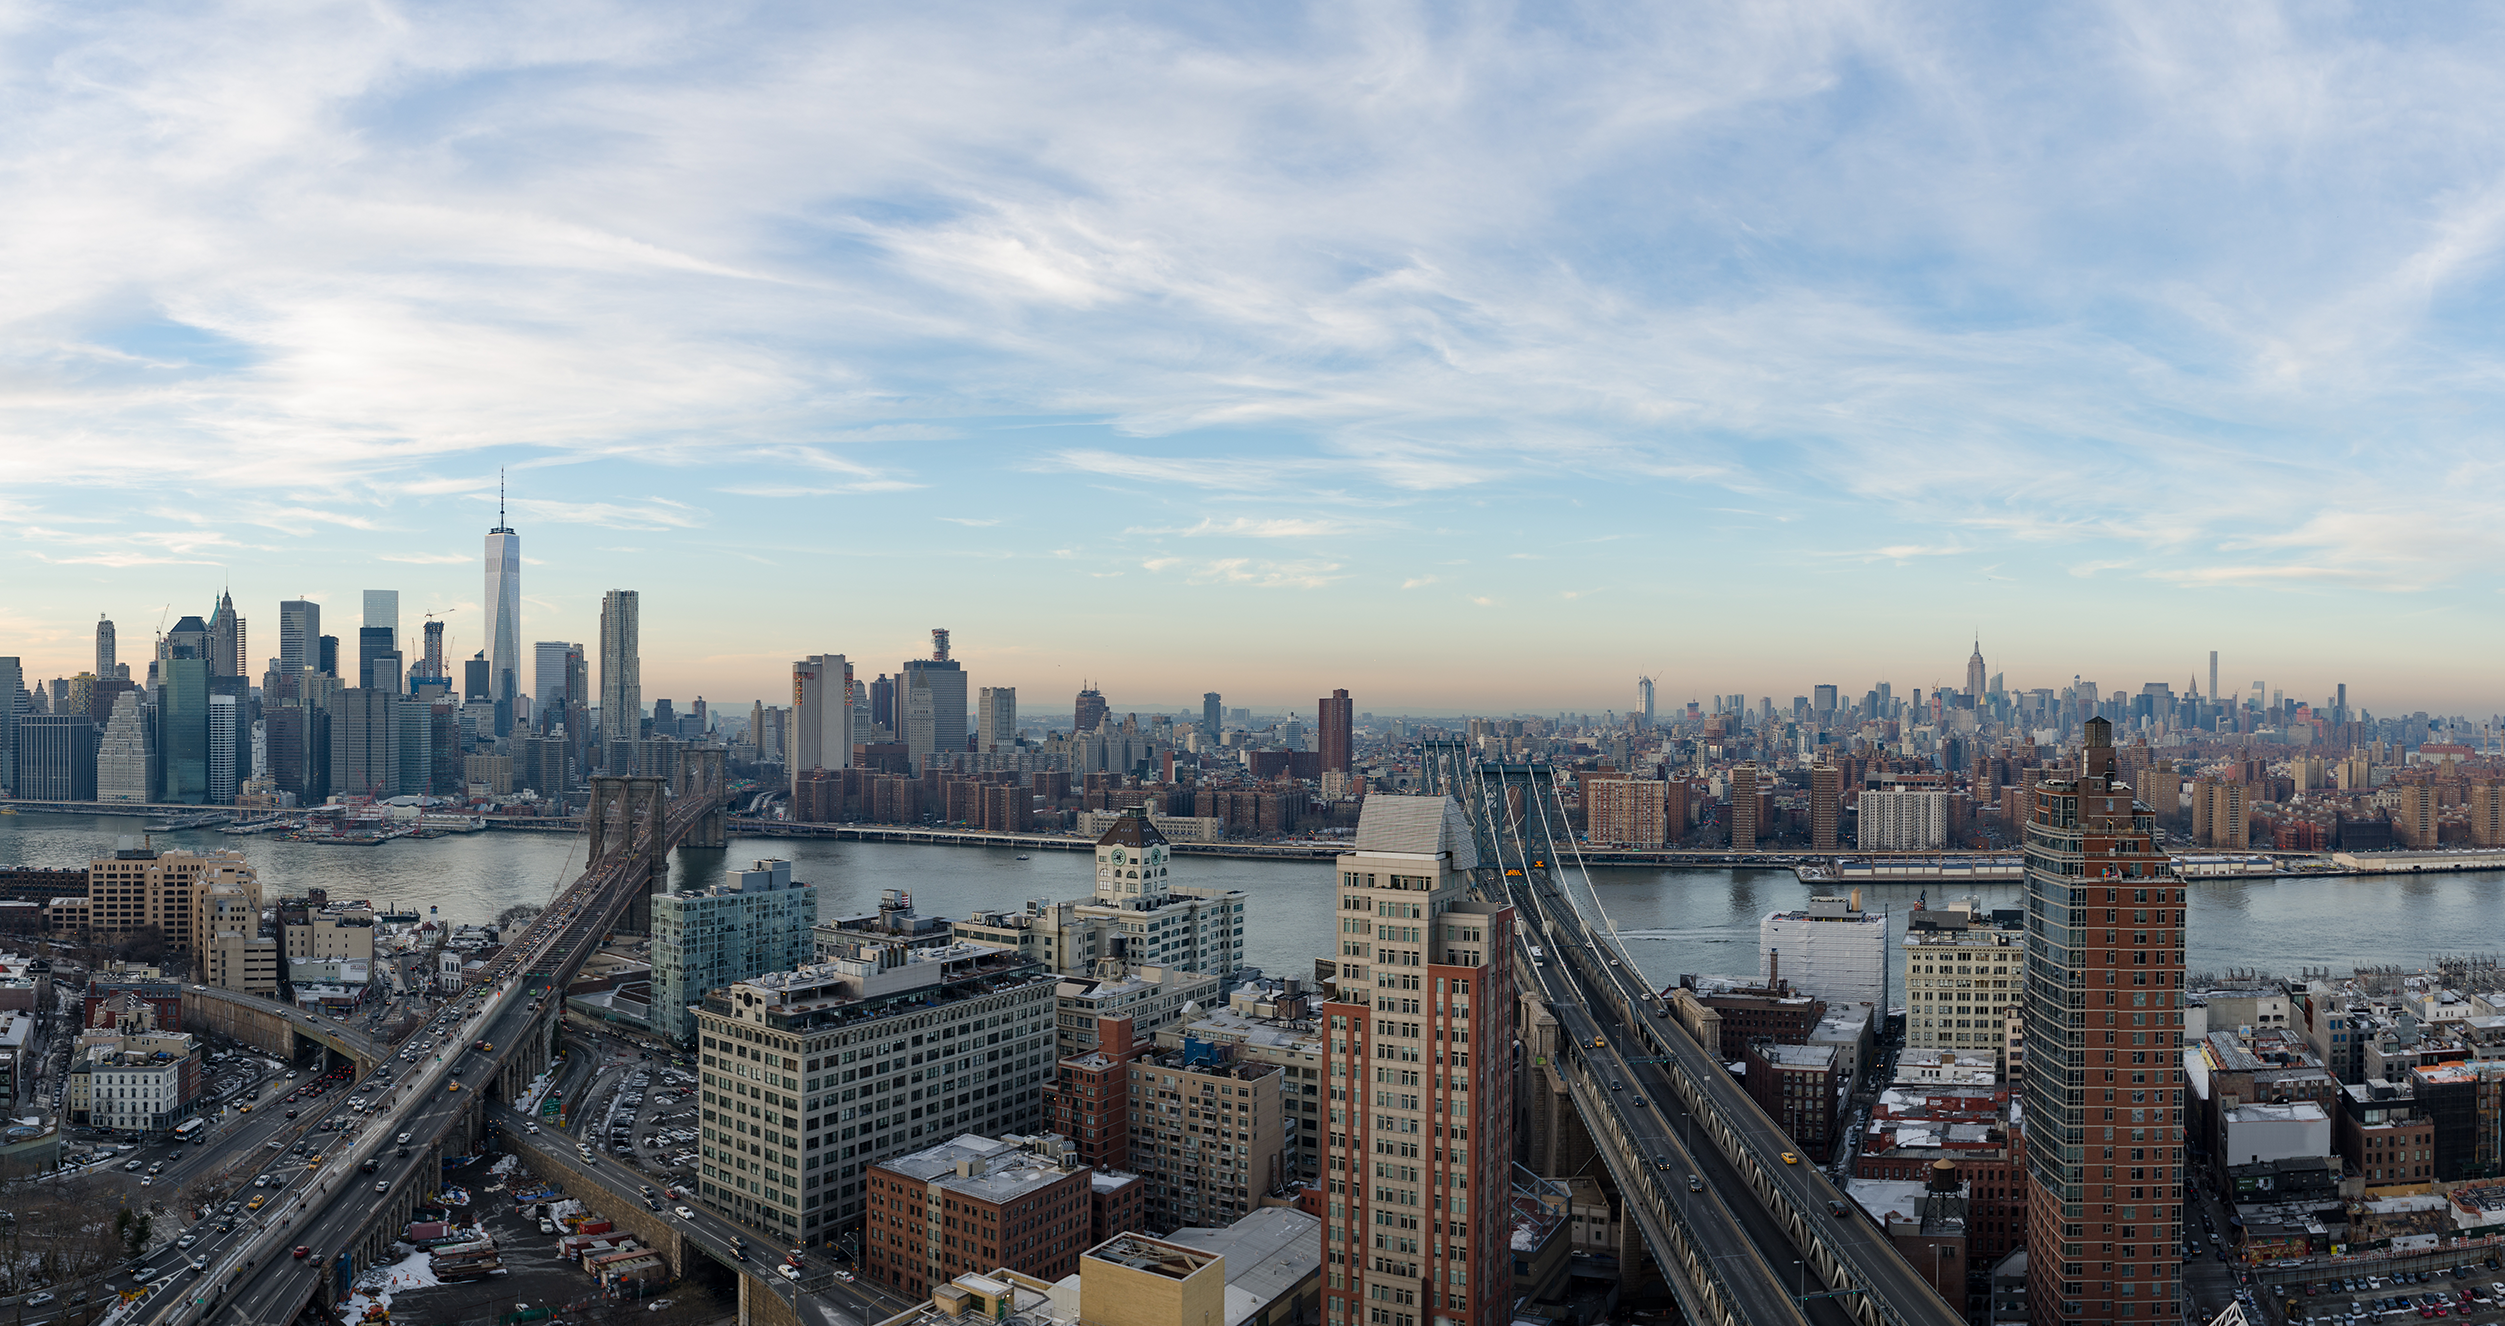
{"x":234,"y":955}
{"x":343,"y":936}
{"x":1150,"y":997}
{"x":2221,"y":814}
{"x":1131,"y":1280}
{"x":1209,"y":1134}
{"x":1419,"y":1128}
{"x":1269,"y":1025}
{"x":2486,"y":804}
{"x":139,"y":886}
{"x":1634,"y":812}
{"x":488,"y":775}
{"x":2413,"y":814}
{"x":1965,"y":980}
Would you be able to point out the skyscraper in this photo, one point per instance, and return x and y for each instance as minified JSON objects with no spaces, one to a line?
{"x":930,"y":693}
{"x":299,"y":635}
{"x":1644,"y":695}
{"x":822,"y":734}
{"x":1974,"y":671}
{"x":1212,"y":715}
{"x":2214,"y":697}
{"x":365,"y":743}
{"x":1337,"y":729}
{"x":621,"y":667}
{"x":382,"y":609}
{"x":228,"y":648}
{"x":432,"y":663}
{"x":996,"y":718}
{"x":1087,"y":712}
{"x":183,"y":713}
{"x":548,"y":694}
{"x":126,"y":761}
{"x":1440,"y":988}
{"x":2104,"y":1085}
{"x":104,"y":648}
{"x":376,"y":657}
{"x":56,"y":757}
{"x":1744,"y":825}
{"x":12,"y":708}
{"x":504,"y":615}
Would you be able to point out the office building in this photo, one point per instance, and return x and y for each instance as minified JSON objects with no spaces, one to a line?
{"x":299,"y":635}
{"x":970,"y":1204}
{"x":364,"y":744}
{"x":12,"y":707}
{"x":56,"y":757}
{"x":1826,"y":806}
{"x":1087,"y":712}
{"x":757,"y":922}
{"x":234,"y":954}
{"x":326,"y":656}
{"x":819,"y":1073}
{"x":1974,"y":672}
{"x":931,"y":695}
{"x":1903,"y":820}
{"x":1212,"y":715}
{"x":107,"y":662}
{"x":230,"y":745}
{"x":183,"y":717}
{"x":621,"y":667}
{"x":1745,"y":830}
{"x":1418,"y":1158}
{"x":1831,"y":949}
{"x":1270,"y":1022}
{"x":821,"y":733}
{"x":996,"y":718}
{"x":552,"y":663}
{"x":382,"y":612}
{"x":2103,"y":1032}
{"x":1965,"y":981}
{"x":1336,"y":725}
{"x":229,"y":648}
{"x":504,"y":617}
{"x":126,"y":757}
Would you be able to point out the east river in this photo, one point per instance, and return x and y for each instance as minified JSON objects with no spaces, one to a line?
{"x":1674,"y":920}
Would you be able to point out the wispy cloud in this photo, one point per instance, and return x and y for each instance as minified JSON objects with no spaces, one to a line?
{"x":424,"y":559}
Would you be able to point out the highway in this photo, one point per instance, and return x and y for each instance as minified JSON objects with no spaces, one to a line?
{"x":1591,"y":985}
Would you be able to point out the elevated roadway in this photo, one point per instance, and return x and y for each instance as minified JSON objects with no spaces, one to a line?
{"x":346,"y":1219}
{"x":1773,"y":1229}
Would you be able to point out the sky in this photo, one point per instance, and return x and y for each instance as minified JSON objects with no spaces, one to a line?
{"x":1471,"y":357}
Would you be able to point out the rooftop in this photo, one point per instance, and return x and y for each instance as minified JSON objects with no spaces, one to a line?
{"x":979,"y":1167}
{"x":1268,"y":1254}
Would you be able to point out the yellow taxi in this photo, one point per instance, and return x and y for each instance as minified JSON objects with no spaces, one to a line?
{"x":1790,"y":1159}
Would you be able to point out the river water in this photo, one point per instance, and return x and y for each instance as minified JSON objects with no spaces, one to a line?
{"x":1675,"y":921}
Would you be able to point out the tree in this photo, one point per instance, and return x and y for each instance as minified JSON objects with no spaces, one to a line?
{"x":144,"y":944}
{"x":519,"y":913}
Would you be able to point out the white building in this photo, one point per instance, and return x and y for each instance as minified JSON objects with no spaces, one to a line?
{"x":2296,"y":1131}
{"x":1965,"y":979}
{"x":1138,"y":916}
{"x":1903,"y":821}
{"x":821,"y":733}
{"x":1831,"y":949}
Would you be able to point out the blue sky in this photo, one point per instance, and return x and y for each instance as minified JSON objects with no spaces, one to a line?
{"x":1475,"y":356}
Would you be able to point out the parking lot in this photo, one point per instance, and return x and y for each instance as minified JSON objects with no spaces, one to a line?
{"x":2473,"y":1291}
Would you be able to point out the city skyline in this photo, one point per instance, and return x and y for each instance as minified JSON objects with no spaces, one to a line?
{"x":1601,"y":341}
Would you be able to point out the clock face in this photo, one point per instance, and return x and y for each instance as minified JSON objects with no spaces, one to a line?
{"x":1117,"y":856}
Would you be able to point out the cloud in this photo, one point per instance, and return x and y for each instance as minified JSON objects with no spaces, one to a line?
{"x":428,"y":559}
{"x":655,"y":514}
{"x":1246,"y":527}
{"x":1418,"y":582}
{"x":970,"y":522}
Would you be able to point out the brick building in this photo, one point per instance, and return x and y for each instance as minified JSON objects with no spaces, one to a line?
{"x":976,"y":1204}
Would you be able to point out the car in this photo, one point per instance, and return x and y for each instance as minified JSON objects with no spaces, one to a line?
{"x":684,"y":1214}
{"x":185,"y":1241}
{"x":404,"y":1139}
{"x":1695,"y":1184}
{"x":1790,"y":1158}
{"x":303,"y":1252}
{"x":38,"y":1300}
{"x":402,"y":1152}
{"x":1835,"y":1207}
{"x":199,"y":1264}
{"x":383,"y":1186}
{"x":789,"y":1272}
{"x":291,"y":1077}
{"x":291,"y":1114}
{"x":146,"y":1182}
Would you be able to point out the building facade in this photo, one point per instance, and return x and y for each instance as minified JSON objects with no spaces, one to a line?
{"x":1419,"y":1129}
{"x":757,"y":922}
{"x":1831,"y":949}
{"x":974,"y":1203}
{"x":813,"y":1075}
{"x":621,"y":666}
{"x":1965,"y":975}
{"x":2104,"y":1030}
{"x":820,"y":733}
{"x":1902,"y":820}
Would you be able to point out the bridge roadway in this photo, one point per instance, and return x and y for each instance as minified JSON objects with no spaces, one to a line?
{"x":1784,"y":1213}
{"x":336,"y":1215}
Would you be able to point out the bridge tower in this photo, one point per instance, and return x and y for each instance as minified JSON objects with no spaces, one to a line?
{"x":703,"y":774}
{"x":629,"y":814}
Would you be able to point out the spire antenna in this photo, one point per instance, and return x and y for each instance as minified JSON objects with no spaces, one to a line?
{"x":500,"y":495}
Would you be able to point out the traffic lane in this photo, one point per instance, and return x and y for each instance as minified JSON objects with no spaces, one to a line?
{"x":1771,"y":1244}
{"x":1745,"y":1266}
